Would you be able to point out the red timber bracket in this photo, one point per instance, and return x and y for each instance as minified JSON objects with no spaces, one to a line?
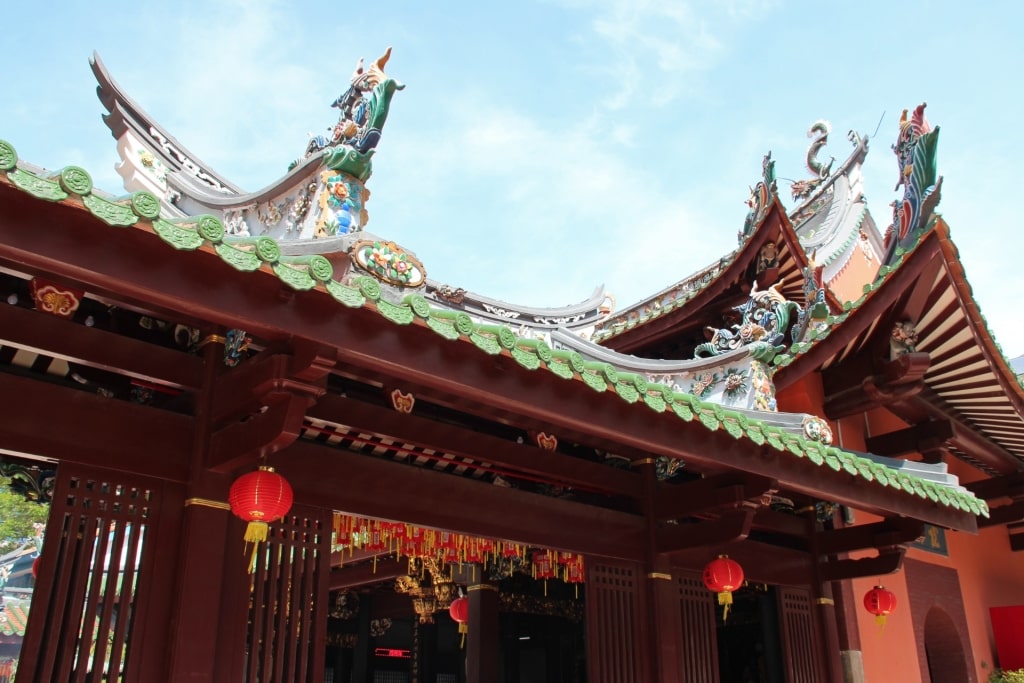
{"x":1008,"y":487}
{"x":889,"y":537}
{"x":259,"y":406}
{"x":899,"y":380}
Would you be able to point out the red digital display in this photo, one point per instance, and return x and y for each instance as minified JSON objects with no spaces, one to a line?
{"x":391,"y":652}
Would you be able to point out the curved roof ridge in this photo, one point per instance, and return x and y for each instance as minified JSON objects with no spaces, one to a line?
{"x":73,"y":188}
{"x":125,"y":114}
{"x":587,"y":312}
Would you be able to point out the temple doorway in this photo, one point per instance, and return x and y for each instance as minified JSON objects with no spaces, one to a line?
{"x":943,"y":649}
{"x":749,"y":642}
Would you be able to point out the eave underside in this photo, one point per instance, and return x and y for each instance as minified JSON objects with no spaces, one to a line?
{"x":966,"y":382}
{"x":310,"y":352}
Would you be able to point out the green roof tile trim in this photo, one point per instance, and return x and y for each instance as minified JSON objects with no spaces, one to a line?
{"x":815,"y":336}
{"x":616,"y":326}
{"x":312,"y":272}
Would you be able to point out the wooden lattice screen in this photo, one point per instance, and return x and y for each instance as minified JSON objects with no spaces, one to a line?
{"x":97,"y":555}
{"x":614,"y":650}
{"x":700,"y":640}
{"x":801,"y":643}
{"x":288,"y":614}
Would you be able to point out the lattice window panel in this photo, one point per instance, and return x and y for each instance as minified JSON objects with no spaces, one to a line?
{"x":287,"y":631}
{"x":800,"y":640}
{"x":97,"y":542}
{"x":700,"y":640}
{"x":612,"y":621}
{"x":390,"y":677}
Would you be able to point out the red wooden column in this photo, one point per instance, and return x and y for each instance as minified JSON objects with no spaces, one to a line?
{"x":482,"y":641}
{"x":661,"y":593}
{"x":210,"y":591}
{"x":201,"y":630}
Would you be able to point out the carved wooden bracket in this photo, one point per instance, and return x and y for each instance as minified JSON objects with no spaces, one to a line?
{"x":676,"y":501}
{"x":261,"y":405}
{"x":898,"y":380}
{"x":886,"y":562}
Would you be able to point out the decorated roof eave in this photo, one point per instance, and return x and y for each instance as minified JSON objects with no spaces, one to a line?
{"x":585,"y":312}
{"x":668,"y":317}
{"x":825,"y":347}
{"x":998,"y":363}
{"x":856,"y":157}
{"x":108,"y":262}
{"x":125,"y":113}
{"x":788,"y":234}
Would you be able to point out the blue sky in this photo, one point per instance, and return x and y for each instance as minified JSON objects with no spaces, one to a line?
{"x":544,"y":148}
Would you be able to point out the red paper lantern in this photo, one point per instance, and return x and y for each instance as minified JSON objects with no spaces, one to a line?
{"x":35,"y":567}
{"x":459,"y":612}
{"x":723,"y":576}
{"x":881,"y":602}
{"x":259,"y":498}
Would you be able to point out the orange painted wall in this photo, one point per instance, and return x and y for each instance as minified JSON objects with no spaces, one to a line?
{"x":848,"y":283}
{"x":990,"y":574}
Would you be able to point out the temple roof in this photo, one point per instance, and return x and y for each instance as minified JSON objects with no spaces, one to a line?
{"x":804,"y":462}
{"x":966,"y":379}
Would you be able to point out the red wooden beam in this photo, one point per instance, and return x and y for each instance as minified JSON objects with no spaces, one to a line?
{"x":73,"y":426}
{"x":73,"y":342}
{"x":138,"y":267}
{"x":675,"y":501}
{"x":353,"y":576}
{"x":375,"y":487}
{"x":478,"y":446}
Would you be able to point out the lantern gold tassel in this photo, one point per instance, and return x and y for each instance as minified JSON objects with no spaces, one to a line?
{"x":463,"y":630}
{"x":256,"y":531}
{"x":725,"y":599}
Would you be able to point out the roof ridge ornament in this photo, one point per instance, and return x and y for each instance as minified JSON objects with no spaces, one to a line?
{"x":818,"y":132}
{"x":761,"y":195}
{"x":363,"y":109}
{"x":915,"y":151}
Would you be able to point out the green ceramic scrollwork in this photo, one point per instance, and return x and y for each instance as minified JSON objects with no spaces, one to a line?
{"x":267,"y":250}
{"x":109,"y":212}
{"x":238,"y":259}
{"x":36,"y":186}
{"x":145,"y":205}
{"x":211,"y":229}
{"x":320,"y":268}
{"x":295,"y":278}
{"x":8,"y":156}
{"x":75,"y":180}
{"x":345,"y":295}
{"x":180,"y":238}
{"x":369,"y":287}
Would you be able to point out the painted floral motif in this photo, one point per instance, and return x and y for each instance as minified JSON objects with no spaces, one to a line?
{"x":735,"y":384}
{"x":903,"y":339}
{"x":340,"y":205}
{"x":269,"y":214}
{"x":52,"y":299}
{"x":155,"y":167}
{"x":402,"y":402}
{"x":389,"y":262}
{"x":818,"y":430}
{"x":704,"y":383}
{"x":764,"y":389}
